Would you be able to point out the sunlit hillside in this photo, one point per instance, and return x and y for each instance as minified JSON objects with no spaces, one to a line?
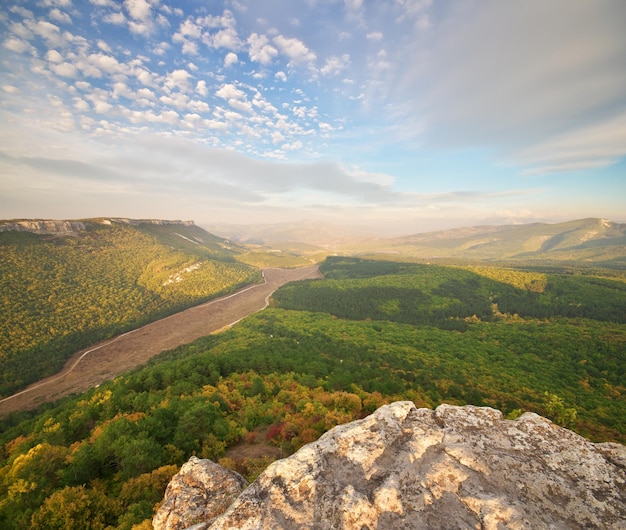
{"x":66,"y":285}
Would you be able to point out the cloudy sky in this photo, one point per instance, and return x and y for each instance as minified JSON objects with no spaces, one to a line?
{"x":407,"y":115}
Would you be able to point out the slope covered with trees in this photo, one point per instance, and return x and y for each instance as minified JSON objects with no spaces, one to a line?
{"x":60,"y":293}
{"x":285,"y":375}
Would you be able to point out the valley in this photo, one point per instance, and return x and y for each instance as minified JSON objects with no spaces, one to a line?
{"x":341,"y":334}
{"x":88,"y":368}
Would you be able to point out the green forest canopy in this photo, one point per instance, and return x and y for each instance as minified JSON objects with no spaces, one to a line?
{"x":59,"y":294}
{"x":328,"y":352}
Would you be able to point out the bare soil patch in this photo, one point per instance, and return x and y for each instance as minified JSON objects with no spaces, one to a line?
{"x":91,"y":366}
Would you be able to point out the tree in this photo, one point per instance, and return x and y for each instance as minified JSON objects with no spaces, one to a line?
{"x":74,"y":508}
{"x":557,"y":411}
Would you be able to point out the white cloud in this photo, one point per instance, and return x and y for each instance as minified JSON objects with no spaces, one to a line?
{"x":54,"y":56}
{"x":99,"y":101}
{"x":16,"y":45}
{"x":225,"y":38}
{"x":139,"y":28}
{"x":295,"y":49}
{"x":64,"y":70}
{"x":178,"y":80}
{"x":596,"y":145}
{"x":177,"y":100}
{"x":107,"y":63}
{"x":104,"y":46}
{"x":230,"y":59}
{"x":226,"y":35}
{"x":10,"y":89}
{"x":190,"y":48}
{"x":334,"y":65}
{"x":262,"y":104}
{"x":122,"y":89}
{"x":117,"y":19}
{"x":138,"y":9}
{"x":235,"y":97}
{"x":260,"y":50}
{"x":353,"y":5}
{"x":196,"y":105}
{"x":189,"y":28}
{"x":57,"y":3}
{"x":48,"y":31}
{"x":230,"y":91}
{"x":145,"y":77}
{"x":161,"y":48}
{"x":60,"y":16}
{"x":201,"y":88}
{"x":489,"y":84}
{"x":293,"y":146}
{"x":281,"y":76}
{"x":26,"y":13}
{"x":375,"y":36}
{"x":413,"y":8}
{"x":81,"y":105}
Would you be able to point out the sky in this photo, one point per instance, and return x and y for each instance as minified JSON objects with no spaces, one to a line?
{"x":404,"y":116}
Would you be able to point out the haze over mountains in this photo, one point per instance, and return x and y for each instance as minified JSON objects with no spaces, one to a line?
{"x":583,"y":240}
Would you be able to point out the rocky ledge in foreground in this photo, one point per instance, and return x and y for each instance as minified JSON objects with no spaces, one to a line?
{"x":409,"y":468}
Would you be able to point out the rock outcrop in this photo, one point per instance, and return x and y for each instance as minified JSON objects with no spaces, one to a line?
{"x":198,"y":493}
{"x":43,"y":226}
{"x":454,"y":467}
{"x":50,"y":226}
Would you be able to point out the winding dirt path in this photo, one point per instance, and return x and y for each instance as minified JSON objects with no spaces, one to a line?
{"x":90,"y":367}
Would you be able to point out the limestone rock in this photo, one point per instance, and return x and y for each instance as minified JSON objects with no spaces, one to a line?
{"x":454,"y":467}
{"x":199,"y":492}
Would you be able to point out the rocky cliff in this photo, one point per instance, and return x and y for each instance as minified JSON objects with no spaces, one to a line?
{"x":409,"y":468}
{"x":50,"y":226}
{"x":42,"y":226}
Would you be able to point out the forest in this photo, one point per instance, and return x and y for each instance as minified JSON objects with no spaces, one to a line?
{"x":61,"y":294}
{"x":326,"y":352}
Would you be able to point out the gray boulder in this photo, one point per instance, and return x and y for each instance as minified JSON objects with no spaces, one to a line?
{"x":453,"y":467}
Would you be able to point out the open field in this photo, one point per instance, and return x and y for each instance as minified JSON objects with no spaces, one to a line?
{"x":89,"y":367}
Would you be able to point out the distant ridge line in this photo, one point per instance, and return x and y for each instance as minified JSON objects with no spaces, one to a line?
{"x":51,"y":226}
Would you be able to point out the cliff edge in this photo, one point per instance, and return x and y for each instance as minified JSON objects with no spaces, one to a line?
{"x":403,"y":467}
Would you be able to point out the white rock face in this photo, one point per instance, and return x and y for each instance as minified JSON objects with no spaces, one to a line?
{"x":199,"y":492}
{"x":454,"y":467}
{"x":43,"y":226}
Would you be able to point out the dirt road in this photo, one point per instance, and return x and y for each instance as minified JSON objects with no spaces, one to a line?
{"x":88,"y":368}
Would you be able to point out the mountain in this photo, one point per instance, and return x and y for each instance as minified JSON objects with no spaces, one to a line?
{"x":314,"y":233}
{"x":67,"y":284}
{"x":597,"y":241}
{"x":404,"y":467}
{"x":179,"y":235}
{"x":585,"y":241}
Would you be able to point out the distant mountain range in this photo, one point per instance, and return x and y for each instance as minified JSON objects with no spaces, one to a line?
{"x":598,"y":241}
{"x":318,"y":233}
{"x":584,"y":241}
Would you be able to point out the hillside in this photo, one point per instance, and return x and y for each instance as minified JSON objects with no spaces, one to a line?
{"x":585,"y":241}
{"x":67,"y":284}
{"x":327,"y":352}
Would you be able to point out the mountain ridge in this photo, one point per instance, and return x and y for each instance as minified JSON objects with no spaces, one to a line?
{"x":54,"y":226}
{"x":581,"y":241}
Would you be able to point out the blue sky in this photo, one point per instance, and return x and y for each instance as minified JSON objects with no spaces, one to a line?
{"x":402,"y":115}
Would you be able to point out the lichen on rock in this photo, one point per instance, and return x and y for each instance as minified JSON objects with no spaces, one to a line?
{"x":453,"y":467}
{"x":198,"y":493}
